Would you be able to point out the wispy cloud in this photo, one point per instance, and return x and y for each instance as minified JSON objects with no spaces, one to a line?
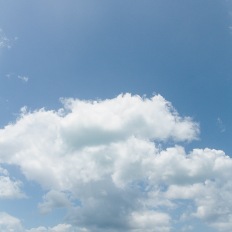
{"x":23,"y":78}
{"x":13,"y":76}
{"x":6,"y":42}
{"x":221,"y":125}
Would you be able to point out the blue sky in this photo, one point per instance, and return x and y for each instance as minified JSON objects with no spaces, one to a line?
{"x":177,"y":53}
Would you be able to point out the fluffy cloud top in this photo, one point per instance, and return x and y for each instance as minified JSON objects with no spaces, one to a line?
{"x":58,"y":228}
{"x":101,"y":160}
{"x":9,"y":223}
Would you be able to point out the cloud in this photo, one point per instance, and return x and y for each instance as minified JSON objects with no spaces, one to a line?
{"x":9,"y":188}
{"x":23,"y":78}
{"x":58,"y":228}
{"x":5,"y":42}
{"x":147,"y":221}
{"x":221,"y":125}
{"x":10,"y":223}
{"x":52,"y":200}
{"x":102,"y":161}
{"x":13,"y":76}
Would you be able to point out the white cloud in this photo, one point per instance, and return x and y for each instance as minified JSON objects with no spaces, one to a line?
{"x":3,"y":171}
{"x":9,"y":223}
{"x":58,"y":228}
{"x":54,"y":199}
{"x":9,"y":188}
{"x":102,"y":161}
{"x":23,"y":78}
{"x":150,"y":221}
{"x":6,"y":42}
{"x":13,"y":76}
{"x":221,"y":125}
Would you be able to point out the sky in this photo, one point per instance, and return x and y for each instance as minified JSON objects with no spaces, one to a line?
{"x":115,"y":116}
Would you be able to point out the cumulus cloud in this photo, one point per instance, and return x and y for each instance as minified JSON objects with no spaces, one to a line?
{"x":9,"y":188}
{"x":52,"y":200}
{"x":150,"y":221}
{"x":58,"y":228}
{"x":9,"y":223}
{"x":101,"y":160}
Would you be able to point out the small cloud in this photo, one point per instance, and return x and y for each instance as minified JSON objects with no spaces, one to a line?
{"x":52,"y":200}
{"x":23,"y":78}
{"x":221,"y":125}
{"x":3,"y":171}
{"x":3,"y":101}
{"x":11,"y":76}
{"x":9,"y":188}
{"x":5,"y":42}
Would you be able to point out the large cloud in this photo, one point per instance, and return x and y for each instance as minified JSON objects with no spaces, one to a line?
{"x":102,"y":161}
